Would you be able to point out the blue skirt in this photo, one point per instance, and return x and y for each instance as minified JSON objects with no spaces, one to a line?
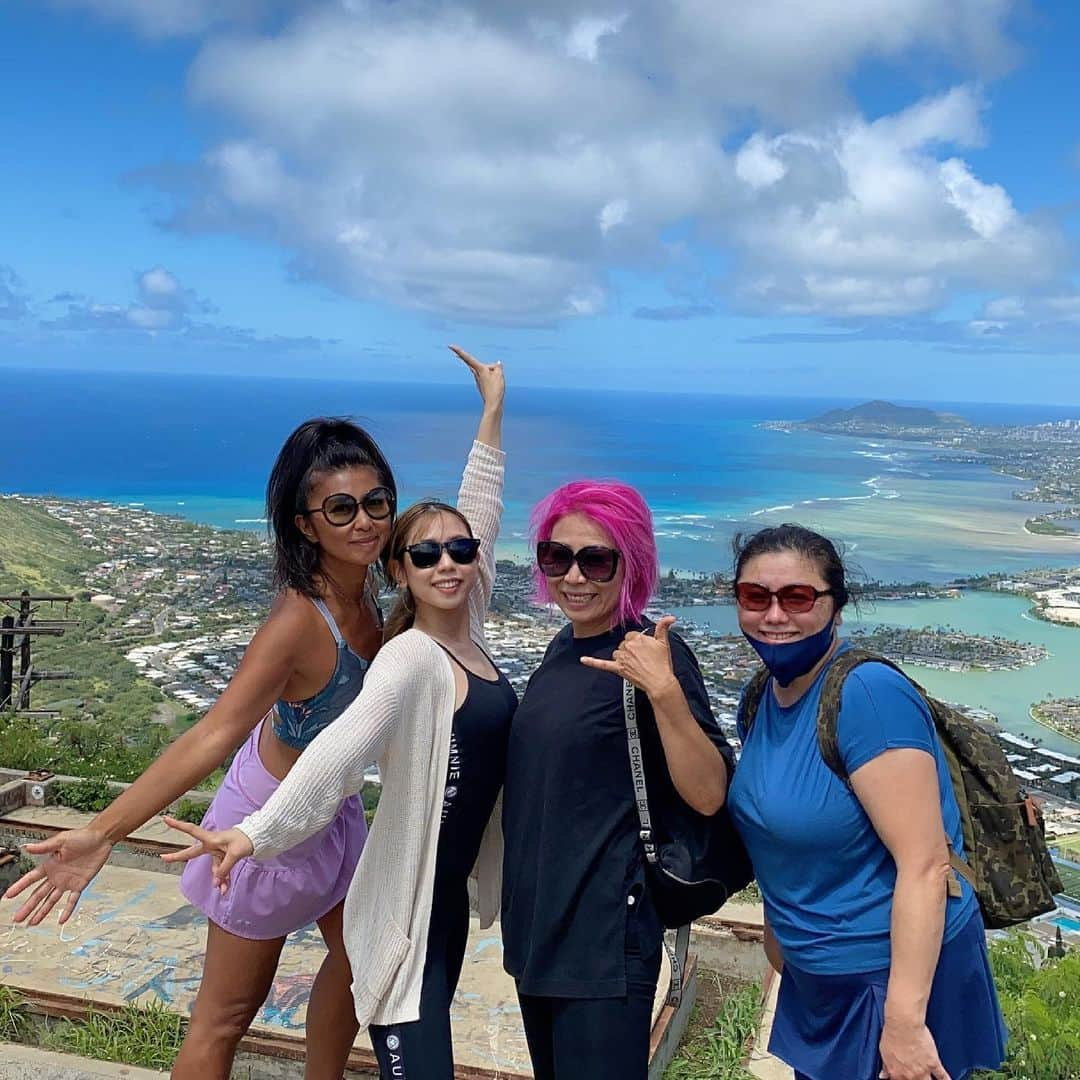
{"x":829,"y":1026}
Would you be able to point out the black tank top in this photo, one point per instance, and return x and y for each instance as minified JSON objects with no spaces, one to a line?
{"x":475,"y":772}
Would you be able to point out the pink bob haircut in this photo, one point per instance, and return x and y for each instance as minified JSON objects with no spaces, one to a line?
{"x":624,"y":515}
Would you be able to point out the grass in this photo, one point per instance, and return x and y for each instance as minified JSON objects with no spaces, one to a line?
{"x":1070,"y":879}
{"x":1069,"y":845}
{"x":149,"y":1036}
{"x":14,"y":1023}
{"x":725,"y":1019}
{"x":37,"y":552}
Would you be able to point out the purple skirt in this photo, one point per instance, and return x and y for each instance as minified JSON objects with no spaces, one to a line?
{"x":270,"y":898}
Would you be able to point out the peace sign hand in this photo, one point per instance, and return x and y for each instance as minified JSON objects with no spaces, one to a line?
{"x":642,"y":659}
{"x":490,"y":380}
{"x":226,"y":848}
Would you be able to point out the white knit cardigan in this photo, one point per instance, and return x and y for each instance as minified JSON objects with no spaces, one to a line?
{"x":401,"y":719}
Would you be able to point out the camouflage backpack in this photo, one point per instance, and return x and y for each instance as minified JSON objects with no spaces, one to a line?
{"x":1007,"y":862}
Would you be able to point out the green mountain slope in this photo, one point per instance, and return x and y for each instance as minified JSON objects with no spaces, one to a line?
{"x":37,"y":552}
{"x":885,"y":412}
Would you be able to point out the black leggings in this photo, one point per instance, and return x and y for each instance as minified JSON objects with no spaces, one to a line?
{"x":598,"y":1038}
{"x":423,"y":1049}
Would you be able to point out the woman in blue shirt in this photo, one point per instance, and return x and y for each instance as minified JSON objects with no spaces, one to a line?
{"x":885,"y":973}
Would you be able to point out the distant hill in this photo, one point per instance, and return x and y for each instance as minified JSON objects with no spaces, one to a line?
{"x":37,"y":551}
{"x":885,"y":412}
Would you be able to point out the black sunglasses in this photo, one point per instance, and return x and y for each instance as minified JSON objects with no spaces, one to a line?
{"x":794,"y":599}
{"x":342,"y":508}
{"x":426,"y":553}
{"x":596,"y":563}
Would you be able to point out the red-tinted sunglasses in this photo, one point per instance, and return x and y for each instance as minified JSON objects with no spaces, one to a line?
{"x":794,"y":599}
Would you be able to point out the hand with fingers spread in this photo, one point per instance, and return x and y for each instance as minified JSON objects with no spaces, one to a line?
{"x":226,"y":848}
{"x":642,"y":659}
{"x":490,"y":380}
{"x":74,"y":857}
{"x":908,"y":1052}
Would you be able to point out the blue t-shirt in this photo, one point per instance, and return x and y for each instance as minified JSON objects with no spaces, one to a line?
{"x":826,"y":877}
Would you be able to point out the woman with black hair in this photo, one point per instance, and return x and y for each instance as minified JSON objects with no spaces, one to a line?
{"x":331,"y":500}
{"x":434,"y":714}
{"x":882,"y":948}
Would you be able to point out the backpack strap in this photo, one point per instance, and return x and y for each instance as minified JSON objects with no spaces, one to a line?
{"x":751,"y":698}
{"x":828,"y":715}
{"x":828,"y":719}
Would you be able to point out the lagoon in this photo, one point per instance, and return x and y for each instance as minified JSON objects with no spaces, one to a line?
{"x":1009,"y":694}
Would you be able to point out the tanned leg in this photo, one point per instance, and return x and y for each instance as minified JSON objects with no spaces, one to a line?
{"x":237,"y":976}
{"x":331,"y":1016}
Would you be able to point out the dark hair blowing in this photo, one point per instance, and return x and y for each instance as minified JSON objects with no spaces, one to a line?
{"x":325,"y":444}
{"x":403,"y":613}
{"x":820,"y":550}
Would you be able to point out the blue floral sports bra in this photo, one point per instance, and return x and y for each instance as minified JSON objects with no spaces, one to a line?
{"x":296,"y":723}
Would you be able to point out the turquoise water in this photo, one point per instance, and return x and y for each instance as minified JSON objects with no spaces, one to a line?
{"x":1066,"y":923}
{"x":202,"y":447}
{"x":1009,"y":694}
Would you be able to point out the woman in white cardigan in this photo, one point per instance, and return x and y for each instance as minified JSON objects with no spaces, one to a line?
{"x":434,"y":713}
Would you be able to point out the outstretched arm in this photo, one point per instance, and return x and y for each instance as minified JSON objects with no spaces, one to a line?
{"x":491,"y":383}
{"x":73,"y":858}
{"x":327,"y":772}
{"x":480,"y":496}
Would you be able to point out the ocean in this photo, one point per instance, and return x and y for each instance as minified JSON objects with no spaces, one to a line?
{"x":202,"y":446}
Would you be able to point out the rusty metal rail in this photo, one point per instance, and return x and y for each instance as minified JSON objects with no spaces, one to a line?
{"x":34,"y":830}
{"x":282,"y":1047}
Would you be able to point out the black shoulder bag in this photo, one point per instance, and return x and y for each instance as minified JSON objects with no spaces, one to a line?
{"x":695,"y":863}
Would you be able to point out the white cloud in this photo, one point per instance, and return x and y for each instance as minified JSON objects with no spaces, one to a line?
{"x":585,"y":35}
{"x":1046,"y":318}
{"x":757,"y":165}
{"x":495,"y":162}
{"x":987,"y":207}
{"x":612,"y":214}
{"x":863,"y":219}
{"x":13,"y":304}
{"x":161,"y":304}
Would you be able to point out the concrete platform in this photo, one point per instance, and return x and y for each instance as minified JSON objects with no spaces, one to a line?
{"x":30,"y":1063}
{"x":134,"y":938}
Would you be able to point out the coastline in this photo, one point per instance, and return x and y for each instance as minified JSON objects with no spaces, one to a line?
{"x":1043,"y":614}
{"x":1051,"y":727}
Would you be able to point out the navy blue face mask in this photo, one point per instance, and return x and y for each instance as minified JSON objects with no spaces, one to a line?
{"x":788,"y":660}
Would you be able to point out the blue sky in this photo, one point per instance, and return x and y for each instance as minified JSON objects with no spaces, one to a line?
{"x":877,"y":199}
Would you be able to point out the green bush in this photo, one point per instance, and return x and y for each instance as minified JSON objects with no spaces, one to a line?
{"x":369,"y":795}
{"x":1041,"y":1006}
{"x":189,"y":810}
{"x":750,"y":895}
{"x":91,"y":794}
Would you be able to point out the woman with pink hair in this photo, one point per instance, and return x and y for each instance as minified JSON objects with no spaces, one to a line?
{"x":580,"y":934}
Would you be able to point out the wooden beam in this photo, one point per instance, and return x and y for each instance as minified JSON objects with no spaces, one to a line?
{"x":23,"y":596}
